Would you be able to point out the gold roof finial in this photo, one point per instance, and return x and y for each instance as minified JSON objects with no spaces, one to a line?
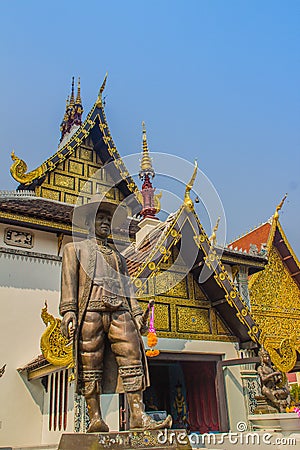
{"x":146,"y":163}
{"x":72,"y":99}
{"x":213,"y":237}
{"x":99,"y":99}
{"x":188,"y":202}
{"x":78,"y":98}
{"x":103,"y":84}
{"x":278,"y":207}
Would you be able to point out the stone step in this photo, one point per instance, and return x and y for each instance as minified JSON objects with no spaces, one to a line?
{"x":34,"y":447}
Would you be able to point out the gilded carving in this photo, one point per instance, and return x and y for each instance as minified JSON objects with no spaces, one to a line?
{"x":194,"y":320}
{"x":85,"y":186}
{"x":162,"y":315}
{"x":64,"y":181}
{"x":72,"y":199}
{"x":54,"y":346}
{"x":50,"y":193}
{"x":166,"y":279}
{"x":92,"y":170}
{"x":86,"y":154}
{"x":276,"y":308}
{"x":76,"y":167}
{"x":19,"y":168}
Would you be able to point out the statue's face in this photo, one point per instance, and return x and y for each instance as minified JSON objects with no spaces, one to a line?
{"x":102,"y":224}
{"x":266,"y":357}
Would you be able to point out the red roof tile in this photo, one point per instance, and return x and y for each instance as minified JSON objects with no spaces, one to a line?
{"x":257,"y":237}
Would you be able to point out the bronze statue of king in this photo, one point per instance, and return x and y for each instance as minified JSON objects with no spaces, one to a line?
{"x":105,"y":320}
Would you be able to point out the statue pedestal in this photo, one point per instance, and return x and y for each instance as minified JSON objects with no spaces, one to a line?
{"x":286,"y":423}
{"x":127,"y":440}
{"x":263,"y":407}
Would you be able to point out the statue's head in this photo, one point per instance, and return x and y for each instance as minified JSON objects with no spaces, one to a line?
{"x":99,"y":224}
{"x":264,"y":355}
{"x":96,"y":216}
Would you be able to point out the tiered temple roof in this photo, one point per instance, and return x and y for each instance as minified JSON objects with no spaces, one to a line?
{"x":275,"y":292}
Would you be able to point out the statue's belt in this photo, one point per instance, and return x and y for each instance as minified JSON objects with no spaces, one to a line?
{"x":110,"y":293}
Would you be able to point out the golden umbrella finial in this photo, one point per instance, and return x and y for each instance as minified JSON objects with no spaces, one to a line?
{"x":278,"y":207}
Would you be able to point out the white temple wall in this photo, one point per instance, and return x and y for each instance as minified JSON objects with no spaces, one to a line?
{"x":25,"y":284}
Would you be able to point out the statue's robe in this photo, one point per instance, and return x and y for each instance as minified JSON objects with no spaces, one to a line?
{"x":78,"y":270}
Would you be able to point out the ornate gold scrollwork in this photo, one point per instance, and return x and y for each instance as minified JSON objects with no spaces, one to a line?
{"x":19,"y":168}
{"x":56,"y":349}
{"x":284,"y":355}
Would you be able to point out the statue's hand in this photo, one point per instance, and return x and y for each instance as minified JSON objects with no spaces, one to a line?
{"x":68,"y":324}
{"x":141,"y":324}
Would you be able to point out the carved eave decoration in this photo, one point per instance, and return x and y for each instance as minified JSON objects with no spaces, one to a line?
{"x":95,"y":118}
{"x":275,"y":300}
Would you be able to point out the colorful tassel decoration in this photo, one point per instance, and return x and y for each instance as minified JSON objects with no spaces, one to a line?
{"x":152,"y":337}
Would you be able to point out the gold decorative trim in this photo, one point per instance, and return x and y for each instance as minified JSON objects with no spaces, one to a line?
{"x":56,"y":349}
{"x":31,"y":220}
{"x":19,"y":168}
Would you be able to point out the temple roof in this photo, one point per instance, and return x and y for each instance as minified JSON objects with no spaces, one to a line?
{"x":94,"y":126}
{"x":24,"y":208}
{"x":146,"y":261}
{"x":265,"y":236}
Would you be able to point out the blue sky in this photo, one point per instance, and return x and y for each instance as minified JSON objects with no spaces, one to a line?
{"x":216,"y":80}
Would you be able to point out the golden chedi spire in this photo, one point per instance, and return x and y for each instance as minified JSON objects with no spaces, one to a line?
{"x":278,"y":208}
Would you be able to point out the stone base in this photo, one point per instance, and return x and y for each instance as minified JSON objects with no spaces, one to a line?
{"x":280,"y":422}
{"x":263,"y":407}
{"x":127,"y":440}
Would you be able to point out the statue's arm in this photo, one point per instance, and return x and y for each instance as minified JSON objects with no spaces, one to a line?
{"x":69,"y":280}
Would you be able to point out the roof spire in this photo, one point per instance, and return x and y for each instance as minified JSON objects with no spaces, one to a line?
{"x":99,"y":99}
{"x":78,"y":98}
{"x":78,"y":109}
{"x":149,"y":200}
{"x":146,"y":162}
{"x":72,"y":99}
{"x":278,"y":207}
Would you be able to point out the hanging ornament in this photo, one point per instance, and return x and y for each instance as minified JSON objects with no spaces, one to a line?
{"x":152,"y":337}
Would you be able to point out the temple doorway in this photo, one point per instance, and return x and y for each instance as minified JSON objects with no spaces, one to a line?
{"x":186,"y":390}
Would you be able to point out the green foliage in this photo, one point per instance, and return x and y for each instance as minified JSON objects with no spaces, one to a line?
{"x":295,"y":393}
